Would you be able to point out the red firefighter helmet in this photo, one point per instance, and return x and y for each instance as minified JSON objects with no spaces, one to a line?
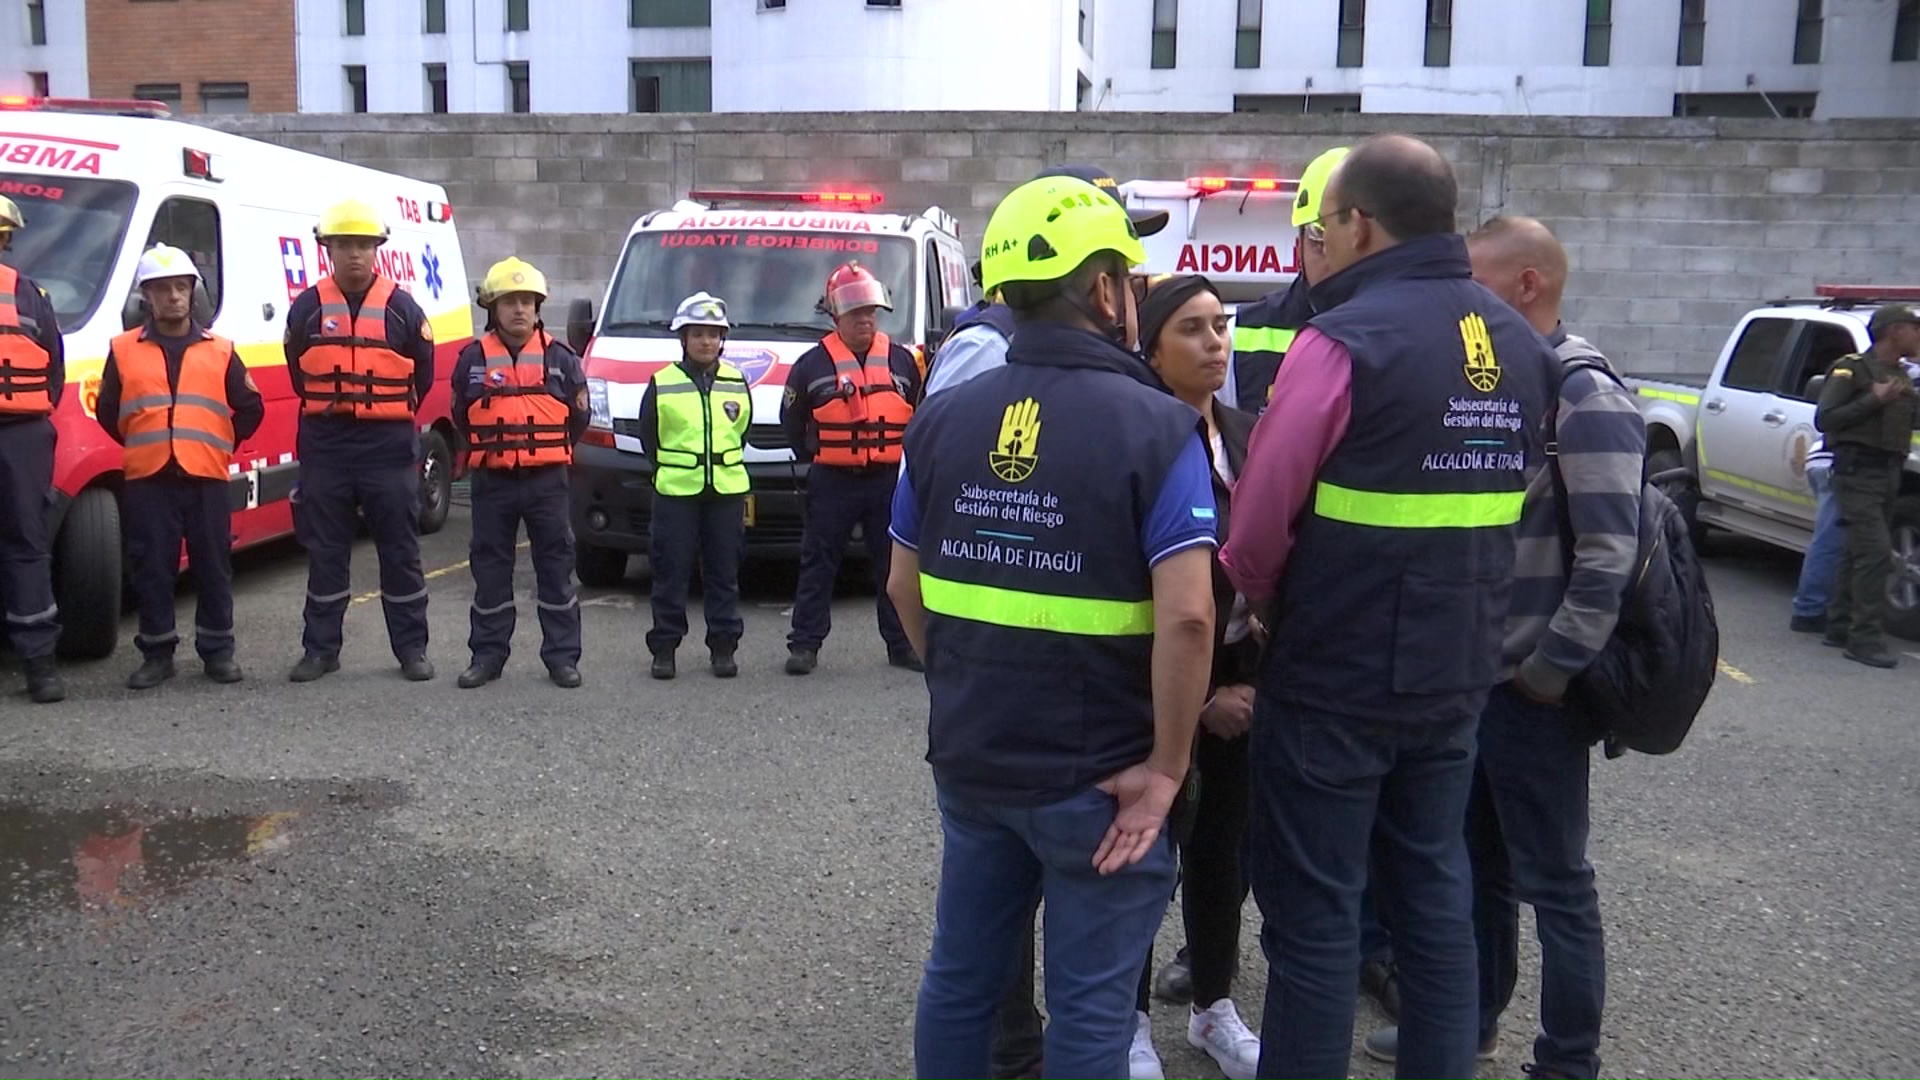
{"x":851,"y":287}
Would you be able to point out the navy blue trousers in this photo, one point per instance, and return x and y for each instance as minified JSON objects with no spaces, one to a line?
{"x":161,"y":513}
{"x":324,"y":520}
{"x":26,"y":567}
{"x":502,"y":500}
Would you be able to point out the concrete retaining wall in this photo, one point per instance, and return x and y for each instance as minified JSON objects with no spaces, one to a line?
{"x":1674,"y":227}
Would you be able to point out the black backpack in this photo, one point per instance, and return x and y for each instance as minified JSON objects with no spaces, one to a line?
{"x":1651,"y":678}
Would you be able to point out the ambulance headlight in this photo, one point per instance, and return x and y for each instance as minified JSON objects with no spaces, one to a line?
{"x":600,"y":414}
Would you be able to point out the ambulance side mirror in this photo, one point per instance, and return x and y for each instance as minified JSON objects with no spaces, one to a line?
{"x":579,"y":324}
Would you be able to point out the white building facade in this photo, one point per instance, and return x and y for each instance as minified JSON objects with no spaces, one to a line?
{"x":1820,"y":58}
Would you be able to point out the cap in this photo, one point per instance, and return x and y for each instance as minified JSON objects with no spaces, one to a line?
{"x":1145,"y":222}
{"x":1890,"y":316}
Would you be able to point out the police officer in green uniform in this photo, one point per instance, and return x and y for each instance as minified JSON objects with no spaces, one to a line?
{"x":1867,"y":411}
{"x":693,"y":425}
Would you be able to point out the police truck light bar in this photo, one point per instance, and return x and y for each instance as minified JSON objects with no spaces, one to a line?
{"x":1209,"y":185}
{"x":850,"y":199}
{"x":1870,"y":294}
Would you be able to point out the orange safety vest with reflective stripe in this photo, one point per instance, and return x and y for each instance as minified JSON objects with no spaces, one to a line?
{"x":515,"y":423}
{"x":191,"y":423}
{"x":864,"y":423}
{"x":351,"y":369}
{"x":26,"y":387}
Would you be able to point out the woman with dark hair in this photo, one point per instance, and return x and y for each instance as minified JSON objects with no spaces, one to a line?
{"x":1184,"y":334}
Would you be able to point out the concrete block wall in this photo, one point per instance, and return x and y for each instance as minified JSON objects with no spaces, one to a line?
{"x":1673,"y":227}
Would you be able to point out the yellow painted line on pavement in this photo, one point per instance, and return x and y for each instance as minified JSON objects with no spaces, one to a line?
{"x":431,"y":574}
{"x":1730,"y":672}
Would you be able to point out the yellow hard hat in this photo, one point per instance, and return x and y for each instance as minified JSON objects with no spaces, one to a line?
{"x":1046,"y":228}
{"x":1313,"y":185}
{"x":511,"y":275}
{"x":351,"y":217}
{"x":10,"y":216}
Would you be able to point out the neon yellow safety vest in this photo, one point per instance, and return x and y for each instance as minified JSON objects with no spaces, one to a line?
{"x":703,"y":432}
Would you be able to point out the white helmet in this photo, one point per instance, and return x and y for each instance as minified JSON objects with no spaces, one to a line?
{"x":162,"y":261}
{"x":701,"y":309}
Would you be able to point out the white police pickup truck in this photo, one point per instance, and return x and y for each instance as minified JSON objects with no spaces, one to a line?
{"x":1742,"y":435}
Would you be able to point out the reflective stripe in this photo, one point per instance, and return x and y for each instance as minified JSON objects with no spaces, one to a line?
{"x":207,"y":403}
{"x":148,"y":438}
{"x":1396,"y":510}
{"x":675,"y":388}
{"x":335,"y":598}
{"x":407,"y":599}
{"x":30,"y":620}
{"x":169,"y":638}
{"x":210,"y":632}
{"x":569,"y":605}
{"x":150,"y":401}
{"x":1262,"y":339}
{"x":1036,"y":611}
{"x":1667,"y":395}
{"x":494,"y":610}
{"x":1799,"y":498}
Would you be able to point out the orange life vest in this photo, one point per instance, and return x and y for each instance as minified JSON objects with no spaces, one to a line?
{"x":513,"y":422}
{"x":864,"y":423}
{"x":191,"y":424}
{"x":26,"y":386}
{"x":351,"y":369}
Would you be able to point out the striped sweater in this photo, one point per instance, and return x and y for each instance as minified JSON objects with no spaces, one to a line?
{"x":1557,"y":624}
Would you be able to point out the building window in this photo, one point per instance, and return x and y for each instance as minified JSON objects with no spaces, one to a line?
{"x":167,"y":94}
{"x":1693,"y":32}
{"x":356,"y":18}
{"x":224,"y":97}
{"x":1439,"y":33}
{"x":356,"y":88}
{"x":1746,"y":106}
{"x":1906,"y":31}
{"x":519,"y":87}
{"x":516,"y":15}
{"x":1297,"y":104}
{"x":436,"y":21}
{"x":436,"y":88}
{"x":36,"y":22}
{"x":1086,"y":25}
{"x":38,"y":80}
{"x":673,"y":86}
{"x":1166,"y":33}
{"x":1599,"y":48}
{"x":883,"y":4}
{"x":1807,"y":33}
{"x":773,"y":5}
{"x":1083,"y":93}
{"x":1353,"y":34}
{"x":671,"y":12}
{"x":1246,"y":38}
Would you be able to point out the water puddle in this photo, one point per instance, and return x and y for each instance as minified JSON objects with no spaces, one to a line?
{"x":117,"y":857}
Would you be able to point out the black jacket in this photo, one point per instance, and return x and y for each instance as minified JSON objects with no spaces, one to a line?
{"x":1239,"y":662}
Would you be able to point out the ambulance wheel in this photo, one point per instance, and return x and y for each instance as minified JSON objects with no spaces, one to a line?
{"x":87,"y":576}
{"x":436,"y":481}
{"x":599,"y":567}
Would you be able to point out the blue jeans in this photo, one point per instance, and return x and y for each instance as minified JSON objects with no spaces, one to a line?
{"x":1326,"y":789}
{"x":1527,"y":832}
{"x":1822,"y":560}
{"x":998,"y":860}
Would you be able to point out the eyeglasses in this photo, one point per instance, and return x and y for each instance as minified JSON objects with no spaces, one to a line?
{"x":1314,"y":233}
{"x":1320,"y":223}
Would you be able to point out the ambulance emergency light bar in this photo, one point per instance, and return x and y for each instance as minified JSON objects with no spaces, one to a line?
{"x":852,"y":200}
{"x":1869,"y":294}
{"x":1211,"y":185}
{"x":105,"y":106}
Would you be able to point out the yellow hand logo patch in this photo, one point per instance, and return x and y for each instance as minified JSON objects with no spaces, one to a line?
{"x":1016,"y":451}
{"x":1483,"y":371}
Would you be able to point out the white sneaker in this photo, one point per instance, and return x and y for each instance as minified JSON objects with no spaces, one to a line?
{"x":1221,"y":1034}
{"x":1143,"y":1061}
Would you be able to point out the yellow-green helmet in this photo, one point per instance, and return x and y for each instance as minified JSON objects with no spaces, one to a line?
{"x":1046,"y":228}
{"x":1313,"y":184}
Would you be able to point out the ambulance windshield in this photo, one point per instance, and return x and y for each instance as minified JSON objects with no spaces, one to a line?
{"x":770,"y":279}
{"x":72,"y":238}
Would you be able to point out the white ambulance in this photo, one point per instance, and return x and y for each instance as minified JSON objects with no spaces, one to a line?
{"x":767,"y":254}
{"x":1238,"y":231}
{"x":99,"y":182}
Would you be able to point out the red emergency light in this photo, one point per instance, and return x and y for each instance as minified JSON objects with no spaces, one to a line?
{"x":199,"y":165}
{"x":109,"y":106}
{"x":848,"y":199}
{"x":439,"y":211}
{"x":1208,"y":185}
{"x":1870,"y":294}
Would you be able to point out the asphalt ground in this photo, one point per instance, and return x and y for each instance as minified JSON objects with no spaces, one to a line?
{"x":365,"y":876}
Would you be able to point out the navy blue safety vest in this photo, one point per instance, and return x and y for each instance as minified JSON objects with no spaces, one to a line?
{"x":1394,"y":594}
{"x":1263,"y":331}
{"x":1032,"y":481}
